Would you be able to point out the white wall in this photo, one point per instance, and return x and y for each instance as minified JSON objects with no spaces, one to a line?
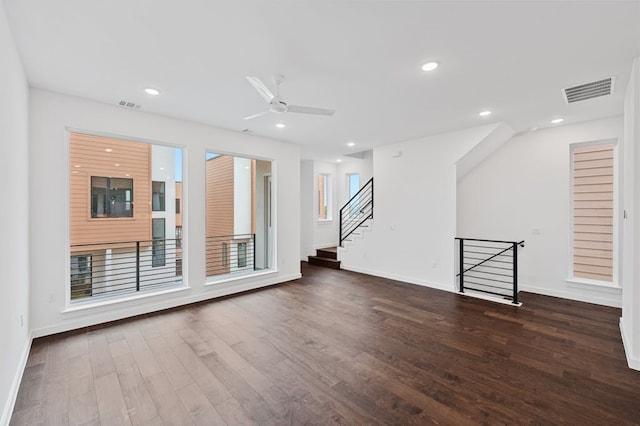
{"x":14,"y":220}
{"x":50,"y":114}
{"x":524,"y":186}
{"x":363,"y":167}
{"x":630,"y":321}
{"x":415,"y":210}
{"x":242,"y":207}
{"x":307,"y":217}
{"x":318,"y":233}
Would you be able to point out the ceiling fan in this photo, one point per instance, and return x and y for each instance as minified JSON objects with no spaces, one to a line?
{"x":276,"y":104}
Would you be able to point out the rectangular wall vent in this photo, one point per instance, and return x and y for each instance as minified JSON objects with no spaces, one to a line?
{"x":591,"y":90}
{"x":128,"y":104}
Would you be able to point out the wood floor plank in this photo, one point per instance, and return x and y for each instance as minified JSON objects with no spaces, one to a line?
{"x":337,"y":347}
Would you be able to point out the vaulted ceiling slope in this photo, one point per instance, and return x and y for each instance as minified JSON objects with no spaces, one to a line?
{"x":361,"y":58}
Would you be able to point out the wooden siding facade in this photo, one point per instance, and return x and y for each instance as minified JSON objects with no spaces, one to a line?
{"x":112,"y":158}
{"x":593,"y":196}
{"x":220,"y":213}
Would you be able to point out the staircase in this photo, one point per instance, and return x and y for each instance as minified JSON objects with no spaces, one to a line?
{"x":356,"y":214}
{"x":327,"y":257}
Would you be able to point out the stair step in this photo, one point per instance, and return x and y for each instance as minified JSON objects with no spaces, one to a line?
{"x":323,"y":261}
{"x":327,"y":252}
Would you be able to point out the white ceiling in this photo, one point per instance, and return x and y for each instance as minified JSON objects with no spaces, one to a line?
{"x":361,"y":58}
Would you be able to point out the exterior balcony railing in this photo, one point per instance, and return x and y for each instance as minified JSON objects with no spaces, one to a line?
{"x":116,"y":268}
{"x":228,"y":254}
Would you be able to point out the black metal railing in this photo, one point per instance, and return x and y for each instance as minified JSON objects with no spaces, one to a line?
{"x":356,"y":211}
{"x":228,"y":254}
{"x":489,"y":266}
{"x":113,"y":268}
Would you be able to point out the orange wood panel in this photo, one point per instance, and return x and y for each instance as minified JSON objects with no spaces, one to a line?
{"x":108,"y":157}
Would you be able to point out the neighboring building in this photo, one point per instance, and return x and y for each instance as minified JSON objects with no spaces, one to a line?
{"x":230,"y":204}
{"x":122,"y":216}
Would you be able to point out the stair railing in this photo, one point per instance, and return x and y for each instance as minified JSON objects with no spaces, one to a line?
{"x":356,"y":211}
{"x":489,"y":266}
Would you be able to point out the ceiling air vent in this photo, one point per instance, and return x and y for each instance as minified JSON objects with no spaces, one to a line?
{"x":591,"y":90}
{"x":127,"y":104}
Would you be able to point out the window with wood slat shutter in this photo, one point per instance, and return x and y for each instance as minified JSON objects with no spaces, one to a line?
{"x":593,"y":195}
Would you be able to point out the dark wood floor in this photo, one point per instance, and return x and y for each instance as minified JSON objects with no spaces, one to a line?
{"x":339,"y":347}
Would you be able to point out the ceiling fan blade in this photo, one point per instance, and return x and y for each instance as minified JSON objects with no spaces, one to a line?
{"x":249,"y":117}
{"x":309,"y":110}
{"x":261,"y":88}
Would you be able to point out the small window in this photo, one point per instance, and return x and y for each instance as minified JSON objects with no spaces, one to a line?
{"x":178,"y":236}
{"x":157,"y":196}
{"x":354,"y":184}
{"x":593,"y":212}
{"x":324,"y":197}
{"x":81,"y":280}
{"x":225,"y":254}
{"x":242,"y":255}
{"x":111,"y":197}
{"x":177,"y":205}
{"x":158,"y":252}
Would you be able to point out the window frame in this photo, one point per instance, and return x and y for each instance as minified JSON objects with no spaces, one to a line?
{"x":572,"y":279}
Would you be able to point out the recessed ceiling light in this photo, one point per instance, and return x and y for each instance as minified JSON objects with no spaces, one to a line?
{"x":75,"y":171}
{"x":151,"y":91}
{"x":430,"y":66}
{"x":484,"y":113}
{"x":351,"y":144}
{"x":161,"y":168}
{"x":557,"y":120}
{"x":127,"y":175}
{"x":281,"y":125}
{"x":117,"y":165}
{"x":339,"y":160}
{"x":108,"y":149}
{"x":77,"y":165}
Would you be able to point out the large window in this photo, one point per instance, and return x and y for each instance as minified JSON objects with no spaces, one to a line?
{"x":158,"y":254}
{"x":239,"y":225}
{"x":157,"y":197}
{"x":593,"y":233}
{"x":111,"y":197}
{"x":324,"y":197}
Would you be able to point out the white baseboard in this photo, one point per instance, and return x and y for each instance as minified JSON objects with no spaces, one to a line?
{"x":634,"y":363}
{"x":15,"y":384}
{"x":405,"y":279}
{"x":101,"y":315}
{"x":615,"y":302}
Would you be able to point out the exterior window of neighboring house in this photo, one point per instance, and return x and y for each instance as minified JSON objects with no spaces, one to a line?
{"x":594,"y":212}
{"x":177,"y":205}
{"x":111,"y":197}
{"x":158,"y":252}
{"x":157,"y":196}
{"x":324,"y":197}
{"x":178,"y":236}
{"x":225,"y":254}
{"x":242,"y":255}
{"x":81,"y":276}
